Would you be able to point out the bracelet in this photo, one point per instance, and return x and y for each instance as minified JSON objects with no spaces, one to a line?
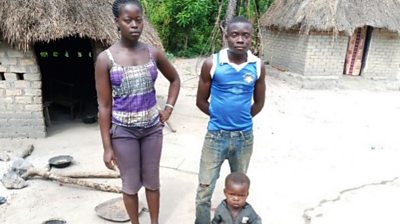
{"x":169,"y":105}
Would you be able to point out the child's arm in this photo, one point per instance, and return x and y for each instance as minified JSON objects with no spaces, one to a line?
{"x":255,"y":218}
{"x":256,"y":221}
{"x":217,"y":219}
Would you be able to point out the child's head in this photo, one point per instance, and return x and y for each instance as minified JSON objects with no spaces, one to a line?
{"x":239,"y":33}
{"x":236,"y":189}
{"x":128,"y":18}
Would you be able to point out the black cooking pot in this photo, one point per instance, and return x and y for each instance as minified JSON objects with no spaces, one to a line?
{"x":89,"y":119}
{"x":61,"y":161}
{"x":55,"y":221}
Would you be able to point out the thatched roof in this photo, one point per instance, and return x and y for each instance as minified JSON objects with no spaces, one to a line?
{"x":23,"y":22}
{"x":332,"y":15}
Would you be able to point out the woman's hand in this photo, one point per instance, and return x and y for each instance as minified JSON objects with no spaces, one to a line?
{"x":109,"y":159}
{"x":164,"y":115}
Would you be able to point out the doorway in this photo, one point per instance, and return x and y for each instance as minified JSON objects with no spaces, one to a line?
{"x":68,"y":84}
{"x":357,"y":51}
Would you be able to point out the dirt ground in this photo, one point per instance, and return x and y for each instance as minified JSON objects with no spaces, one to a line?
{"x":320,"y":157}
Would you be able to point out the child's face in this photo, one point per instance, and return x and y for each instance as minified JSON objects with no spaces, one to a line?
{"x":239,"y":36}
{"x":236,"y":195}
{"x":130,"y":21}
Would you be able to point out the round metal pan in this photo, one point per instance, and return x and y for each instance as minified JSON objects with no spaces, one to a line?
{"x":61,"y":161}
{"x":54,"y":221}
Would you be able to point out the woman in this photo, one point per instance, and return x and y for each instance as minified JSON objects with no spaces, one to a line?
{"x":130,"y":123}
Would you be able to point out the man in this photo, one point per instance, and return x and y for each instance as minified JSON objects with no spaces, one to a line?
{"x":231,"y":91}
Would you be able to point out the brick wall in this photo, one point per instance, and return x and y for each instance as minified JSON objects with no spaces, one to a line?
{"x":383,"y":60}
{"x":285,"y":51}
{"x":325,"y":55}
{"x":317,"y":60}
{"x":21,"y":107}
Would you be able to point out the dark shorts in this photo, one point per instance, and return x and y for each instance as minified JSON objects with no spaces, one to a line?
{"x":138,"y":152}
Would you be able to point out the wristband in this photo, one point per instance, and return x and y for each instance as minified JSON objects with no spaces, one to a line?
{"x":169,"y":105}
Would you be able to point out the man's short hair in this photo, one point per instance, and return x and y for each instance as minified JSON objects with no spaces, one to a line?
{"x":238,"y":19}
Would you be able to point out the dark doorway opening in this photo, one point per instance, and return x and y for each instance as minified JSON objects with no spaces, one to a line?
{"x":68,"y":84}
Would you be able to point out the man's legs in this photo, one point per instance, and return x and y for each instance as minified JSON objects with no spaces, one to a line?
{"x":212,"y":156}
{"x":240,"y":153}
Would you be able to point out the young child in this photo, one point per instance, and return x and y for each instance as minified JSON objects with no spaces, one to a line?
{"x":234,"y":209}
{"x":130,"y":122}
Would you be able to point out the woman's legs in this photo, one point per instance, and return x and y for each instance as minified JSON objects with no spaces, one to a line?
{"x":151,"y":145}
{"x":127,"y":151}
{"x":153,"y":201}
{"x":132,"y":207}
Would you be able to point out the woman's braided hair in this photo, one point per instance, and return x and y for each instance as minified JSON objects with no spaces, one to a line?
{"x":116,"y":6}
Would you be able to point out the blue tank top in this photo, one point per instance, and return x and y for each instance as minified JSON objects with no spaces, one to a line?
{"x":232,"y":89}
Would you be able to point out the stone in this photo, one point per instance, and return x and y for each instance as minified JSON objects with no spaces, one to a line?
{"x":11,"y":180}
{"x":20,"y":165}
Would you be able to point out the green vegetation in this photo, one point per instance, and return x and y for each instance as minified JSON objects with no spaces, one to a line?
{"x":192,"y":27}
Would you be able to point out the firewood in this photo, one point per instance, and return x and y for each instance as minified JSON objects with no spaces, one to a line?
{"x":67,"y":180}
{"x":85,"y":174}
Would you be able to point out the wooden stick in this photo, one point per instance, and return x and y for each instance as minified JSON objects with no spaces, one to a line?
{"x":167,"y":122}
{"x":26,"y":152}
{"x":170,"y":126}
{"x":92,"y":175}
{"x":8,"y":155}
{"x":51,"y":176}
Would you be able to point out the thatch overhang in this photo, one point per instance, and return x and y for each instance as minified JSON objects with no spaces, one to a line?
{"x":24,"y":22}
{"x":332,"y":16}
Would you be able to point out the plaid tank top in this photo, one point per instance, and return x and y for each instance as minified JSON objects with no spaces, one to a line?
{"x":134,"y":101}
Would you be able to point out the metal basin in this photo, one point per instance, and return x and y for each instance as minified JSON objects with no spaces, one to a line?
{"x":61,"y":161}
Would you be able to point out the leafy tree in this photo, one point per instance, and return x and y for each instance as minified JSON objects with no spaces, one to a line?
{"x":193,"y":27}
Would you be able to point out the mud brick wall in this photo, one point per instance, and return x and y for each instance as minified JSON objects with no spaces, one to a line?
{"x":286,"y":51}
{"x":308,"y":55}
{"x":21,"y":106}
{"x":383,"y":60}
{"x":325,"y":55}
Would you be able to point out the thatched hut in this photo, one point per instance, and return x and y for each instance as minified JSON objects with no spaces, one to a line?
{"x":47,"y":53}
{"x":320,"y":43}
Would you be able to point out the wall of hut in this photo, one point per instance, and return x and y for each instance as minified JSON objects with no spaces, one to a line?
{"x":317,"y":60}
{"x":21,"y":107}
{"x":308,"y":55}
{"x":383,"y":60}
{"x":286,"y":51}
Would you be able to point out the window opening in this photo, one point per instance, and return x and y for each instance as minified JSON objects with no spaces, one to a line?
{"x":20,"y":76}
